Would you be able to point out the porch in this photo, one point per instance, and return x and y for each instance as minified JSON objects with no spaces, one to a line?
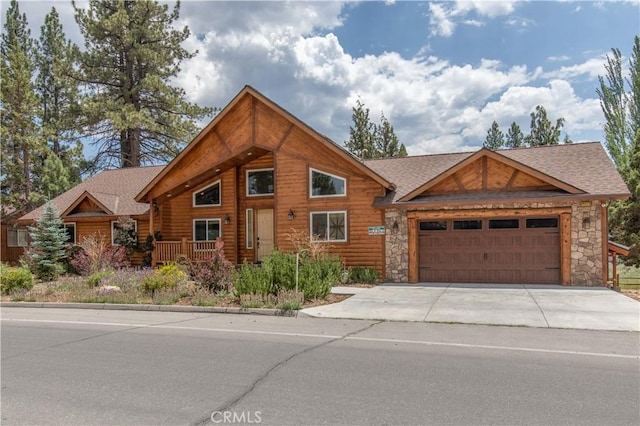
{"x":170,"y":251}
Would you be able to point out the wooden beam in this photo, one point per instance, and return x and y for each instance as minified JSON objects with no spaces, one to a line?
{"x":565,"y":248}
{"x":513,"y":178}
{"x":412,"y":235}
{"x":485,"y":172}
{"x":285,"y":136}
{"x":458,"y":182}
{"x":254,"y":126}
{"x":151,"y":231}
{"x":482,"y":213}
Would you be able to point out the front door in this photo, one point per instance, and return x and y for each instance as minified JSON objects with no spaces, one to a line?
{"x":264,"y":233}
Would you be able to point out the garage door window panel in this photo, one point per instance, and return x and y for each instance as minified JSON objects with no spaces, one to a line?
{"x":467,"y":224}
{"x":546,"y":222}
{"x":504,"y":223}
{"x":439,"y":225}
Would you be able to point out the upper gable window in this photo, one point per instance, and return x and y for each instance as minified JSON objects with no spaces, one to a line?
{"x":260,"y":182}
{"x":207,"y":196}
{"x":322,"y":184}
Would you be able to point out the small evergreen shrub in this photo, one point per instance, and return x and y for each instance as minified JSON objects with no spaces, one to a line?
{"x":171,"y":269}
{"x":95,"y":279}
{"x":48,"y":246}
{"x":282,"y":267}
{"x":156,"y":282}
{"x":15,"y":279}
{"x":214,"y":273}
{"x":362,"y":275}
{"x":317,"y":276}
{"x":252,"y":279}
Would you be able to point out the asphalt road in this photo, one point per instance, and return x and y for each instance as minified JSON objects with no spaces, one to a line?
{"x":63,"y":366}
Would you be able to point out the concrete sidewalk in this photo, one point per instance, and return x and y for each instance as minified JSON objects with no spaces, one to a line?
{"x":589,"y":308}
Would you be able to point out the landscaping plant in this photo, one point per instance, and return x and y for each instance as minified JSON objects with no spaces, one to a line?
{"x":215,"y":272}
{"x":48,"y":246}
{"x":15,"y":279}
{"x":97,"y":254}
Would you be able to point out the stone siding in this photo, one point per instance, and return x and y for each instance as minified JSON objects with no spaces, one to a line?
{"x":586,"y":239}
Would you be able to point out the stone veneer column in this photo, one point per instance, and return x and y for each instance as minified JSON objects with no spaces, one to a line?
{"x":586,"y":244}
{"x":396,"y":246}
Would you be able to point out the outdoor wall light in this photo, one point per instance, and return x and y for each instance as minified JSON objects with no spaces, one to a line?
{"x":586,"y":222}
{"x":291,"y":215}
{"x":395,"y":227}
{"x":227,"y":220}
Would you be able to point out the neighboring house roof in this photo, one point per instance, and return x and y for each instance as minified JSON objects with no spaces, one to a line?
{"x":250,"y":91}
{"x":577,"y":170}
{"x":113,"y":191}
{"x":617,"y":248}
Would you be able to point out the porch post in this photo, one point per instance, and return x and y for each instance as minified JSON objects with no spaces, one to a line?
{"x":151,"y":232}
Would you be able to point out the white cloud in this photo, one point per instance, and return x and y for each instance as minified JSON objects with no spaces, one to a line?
{"x":444,"y":17}
{"x":560,"y":58}
{"x":592,"y":68}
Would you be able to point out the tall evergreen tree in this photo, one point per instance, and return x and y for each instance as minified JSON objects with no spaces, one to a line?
{"x":361,"y":134}
{"x":55,"y":176}
{"x":58,"y":95}
{"x":543,"y":132}
{"x":514,"y":137}
{"x":621,"y":107}
{"x":495,"y":137}
{"x":385,"y":140}
{"x":132,"y":53}
{"x":48,"y":245}
{"x":19,"y":109}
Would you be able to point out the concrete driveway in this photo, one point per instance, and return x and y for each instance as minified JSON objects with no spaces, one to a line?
{"x":590,"y":308}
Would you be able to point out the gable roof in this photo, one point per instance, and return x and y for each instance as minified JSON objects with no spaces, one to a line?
{"x":250,"y":91}
{"x":112,"y":190}
{"x":582,"y":166}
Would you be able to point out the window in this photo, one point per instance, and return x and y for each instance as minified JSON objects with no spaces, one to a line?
{"x":115,"y":227}
{"x":17,"y":238}
{"x":71,"y":232}
{"x":326,"y":185}
{"x":260,"y":182}
{"x":504,"y":223}
{"x":329,"y":226}
{"x":547,"y":222}
{"x":249,"y":232}
{"x":440,"y":225}
{"x":467,"y":224}
{"x":207,"y":196}
{"x":206,"y":229}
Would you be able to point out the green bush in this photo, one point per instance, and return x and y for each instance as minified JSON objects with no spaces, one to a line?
{"x":14,"y":279}
{"x":171,"y":269}
{"x":316,"y":277}
{"x":282,"y":267}
{"x":252,"y":280}
{"x":155,"y":282}
{"x":96,"y":278}
{"x":362,"y":275}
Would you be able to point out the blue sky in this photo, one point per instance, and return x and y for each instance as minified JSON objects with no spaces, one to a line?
{"x":440,"y":71}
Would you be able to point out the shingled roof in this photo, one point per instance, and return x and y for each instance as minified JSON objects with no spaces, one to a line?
{"x":115,"y":190}
{"x":585,"y":166}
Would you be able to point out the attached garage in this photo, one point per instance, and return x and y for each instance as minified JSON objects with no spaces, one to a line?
{"x":490,"y":250}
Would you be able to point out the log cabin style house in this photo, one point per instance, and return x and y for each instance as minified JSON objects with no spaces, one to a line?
{"x":256,"y":173}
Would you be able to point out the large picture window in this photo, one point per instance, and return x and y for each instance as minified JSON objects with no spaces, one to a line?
{"x":17,"y":238}
{"x":324,"y":184}
{"x":329,"y":226}
{"x":207,"y":196}
{"x":260,"y":182}
{"x":206,"y":229}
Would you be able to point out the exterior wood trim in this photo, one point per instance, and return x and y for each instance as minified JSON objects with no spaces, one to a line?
{"x":565,"y":248}
{"x":412,"y":237}
{"x":222,"y":141}
{"x":485,"y":174}
{"x":484,"y":152}
{"x":486,"y":213}
{"x":80,"y":199}
{"x":604,"y":229}
{"x":285,"y":136}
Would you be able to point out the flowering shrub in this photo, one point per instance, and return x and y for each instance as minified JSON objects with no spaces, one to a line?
{"x":213,"y":273}
{"x":97,"y":254}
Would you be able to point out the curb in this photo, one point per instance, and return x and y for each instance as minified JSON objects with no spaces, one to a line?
{"x":153,"y":308}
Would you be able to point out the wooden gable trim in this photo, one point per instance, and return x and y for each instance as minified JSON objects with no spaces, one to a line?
{"x":483,"y":154}
{"x":257,"y":96}
{"x":85,"y":195}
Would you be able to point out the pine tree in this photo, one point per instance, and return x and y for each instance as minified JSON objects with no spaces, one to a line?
{"x":48,"y":245}
{"x":495,"y":137}
{"x":132,"y":52}
{"x":361,"y":134}
{"x":58,"y":95}
{"x":55,"y":176}
{"x":21,"y":143}
{"x":385,"y":140}
{"x":543,"y":132}
{"x":514,"y":137}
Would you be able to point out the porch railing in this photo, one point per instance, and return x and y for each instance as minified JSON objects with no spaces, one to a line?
{"x":168,"y":251}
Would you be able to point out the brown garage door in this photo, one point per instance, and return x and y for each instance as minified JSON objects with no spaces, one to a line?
{"x":503,"y":250}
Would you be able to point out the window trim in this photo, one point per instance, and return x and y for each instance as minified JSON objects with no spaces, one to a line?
{"x":249,"y":229}
{"x":135,"y":228}
{"x":194,"y":193}
{"x":260,"y":170}
{"x":207,"y":220}
{"x":311,"y":170}
{"x":327,"y":213}
{"x":18,"y":232}
{"x":75,"y":231}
